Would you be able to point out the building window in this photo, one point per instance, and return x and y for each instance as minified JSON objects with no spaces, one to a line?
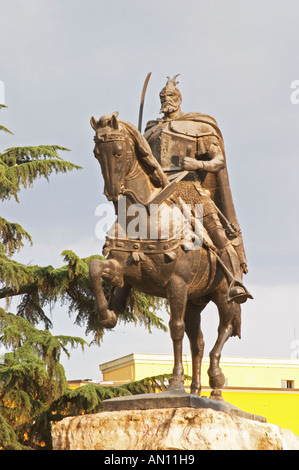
{"x":287,"y":384}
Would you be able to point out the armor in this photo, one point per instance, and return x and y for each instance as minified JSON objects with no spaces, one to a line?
{"x":170,"y":141}
{"x":193,"y":134}
{"x":197,"y":136}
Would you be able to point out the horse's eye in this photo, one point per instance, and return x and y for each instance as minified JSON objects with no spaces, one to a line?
{"x":117,"y":150}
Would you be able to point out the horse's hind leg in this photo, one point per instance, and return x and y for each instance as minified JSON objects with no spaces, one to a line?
{"x":177,"y":297}
{"x":226,"y":329}
{"x":194,"y":333}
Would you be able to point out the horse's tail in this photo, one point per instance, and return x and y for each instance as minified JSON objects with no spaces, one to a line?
{"x":236,"y":323}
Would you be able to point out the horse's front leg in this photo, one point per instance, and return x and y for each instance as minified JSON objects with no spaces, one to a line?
{"x":110,"y":270}
{"x":176,"y":290}
{"x":194,"y":333}
{"x":118,"y":300}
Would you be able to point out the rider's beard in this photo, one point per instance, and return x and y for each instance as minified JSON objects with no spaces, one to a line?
{"x":169,"y":106}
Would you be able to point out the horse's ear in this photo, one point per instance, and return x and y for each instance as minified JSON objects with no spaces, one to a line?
{"x":93,"y":123}
{"x":114,"y":121}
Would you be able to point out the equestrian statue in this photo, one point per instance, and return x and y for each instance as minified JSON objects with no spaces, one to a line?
{"x":190,"y":260}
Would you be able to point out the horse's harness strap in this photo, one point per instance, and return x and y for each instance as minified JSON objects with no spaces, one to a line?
{"x":144,"y":246}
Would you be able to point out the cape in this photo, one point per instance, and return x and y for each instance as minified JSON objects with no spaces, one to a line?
{"x":218,"y":184}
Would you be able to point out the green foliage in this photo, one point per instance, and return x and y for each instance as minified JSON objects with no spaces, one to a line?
{"x":3,"y":128}
{"x":157,"y":383}
{"x":88,"y":398}
{"x":31,"y":375}
{"x":44,"y":286}
{"x":85,"y":399}
{"x":11,"y":237}
{"x":8,"y":438}
{"x":41,"y":287}
{"x":21,"y":166}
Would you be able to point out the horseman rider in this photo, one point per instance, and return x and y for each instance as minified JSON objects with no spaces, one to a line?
{"x":194,"y":142}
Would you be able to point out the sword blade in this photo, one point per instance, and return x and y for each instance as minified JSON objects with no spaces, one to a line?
{"x":142,"y":100}
{"x":168,"y":190}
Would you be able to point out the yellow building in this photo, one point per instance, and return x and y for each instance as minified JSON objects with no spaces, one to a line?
{"x":262,"y":386}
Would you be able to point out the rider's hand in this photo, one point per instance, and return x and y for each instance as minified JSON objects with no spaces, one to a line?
{"x":191,"y":164}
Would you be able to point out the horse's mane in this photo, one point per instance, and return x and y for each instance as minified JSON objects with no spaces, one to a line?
{"x":145,"y":156}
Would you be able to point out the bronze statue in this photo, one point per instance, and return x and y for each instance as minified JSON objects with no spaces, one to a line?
{"x":193,"y":142}
{"x":140,"y":172}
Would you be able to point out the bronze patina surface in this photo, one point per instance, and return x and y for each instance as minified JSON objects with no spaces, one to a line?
{"x":180,"y":161}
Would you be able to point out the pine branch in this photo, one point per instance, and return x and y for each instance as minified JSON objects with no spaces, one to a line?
{"x":154,"y":384}
{"x":13,"y":275}
{"x":4,"y":129}
{"x":34,"y":361}
{"x":12,"y":236}
{"x":88,"y":398}
{"x":8,"y":438}
{"x":31,"y":376}
{"x":70,"y":285}
{"x":23,"y":174}
{"x":17,"y":155}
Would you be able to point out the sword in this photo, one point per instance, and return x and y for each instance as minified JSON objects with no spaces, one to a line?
{"x":171,"y":188}
{"x":168,"y":190}
{"x":230,"y":228}
{"x":142,"y":100}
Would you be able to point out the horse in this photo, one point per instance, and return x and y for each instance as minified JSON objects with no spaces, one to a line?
{"x":188,"y":278}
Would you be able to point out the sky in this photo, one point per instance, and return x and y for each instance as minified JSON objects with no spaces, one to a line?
{"x":62,"y":62}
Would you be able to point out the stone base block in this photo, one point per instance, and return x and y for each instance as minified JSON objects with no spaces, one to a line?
{"x":165,"y":429}
{"x":174,"y":399}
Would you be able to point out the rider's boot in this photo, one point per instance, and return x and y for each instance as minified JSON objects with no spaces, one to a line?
{"x":237,"y":291}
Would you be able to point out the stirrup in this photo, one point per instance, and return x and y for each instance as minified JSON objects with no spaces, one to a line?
{"x":238,"y":293}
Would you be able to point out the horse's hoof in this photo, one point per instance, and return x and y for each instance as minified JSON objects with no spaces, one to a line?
{"x":176,"y":385}
{"x":217,"y":379}
{"x":216,"y":394}
{"x":110,"y":321}
{"x":195,"y":391}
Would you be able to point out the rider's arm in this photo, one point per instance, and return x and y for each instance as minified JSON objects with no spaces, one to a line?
{"x":215,"y":164}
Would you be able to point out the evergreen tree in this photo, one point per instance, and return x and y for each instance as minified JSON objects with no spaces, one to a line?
{"x":41,"y":287}
{"x":19,"y":168}
{"x":31,"y":375}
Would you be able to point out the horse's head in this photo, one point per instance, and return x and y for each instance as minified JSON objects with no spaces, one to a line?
{"x":110,"y":151}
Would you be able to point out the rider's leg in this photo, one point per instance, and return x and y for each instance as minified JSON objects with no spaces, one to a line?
{"x":227,"y":253}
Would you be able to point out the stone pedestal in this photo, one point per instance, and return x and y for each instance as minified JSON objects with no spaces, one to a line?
{"x":187,"y":429}
{"x":175,"y":399}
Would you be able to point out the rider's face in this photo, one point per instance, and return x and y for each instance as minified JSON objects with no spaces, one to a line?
{"x":170,"y":102}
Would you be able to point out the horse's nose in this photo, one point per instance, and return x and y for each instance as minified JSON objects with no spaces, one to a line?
{"x":111,"y":197}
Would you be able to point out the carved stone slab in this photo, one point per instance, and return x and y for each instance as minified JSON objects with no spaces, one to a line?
{"x":174,"y":399}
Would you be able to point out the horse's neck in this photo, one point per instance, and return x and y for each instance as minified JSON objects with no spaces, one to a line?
{"x":138,"y":184}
